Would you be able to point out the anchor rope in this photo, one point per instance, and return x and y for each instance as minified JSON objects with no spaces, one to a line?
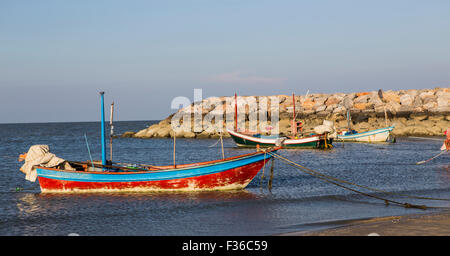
{"x":365,"y":187}
{"x":269,"y":185}
{"x":214,"y":143}
{"x":271,"y":175}
{"x":335,"y":181}
{"x":424,"y":138}
{"x":264,"y":167}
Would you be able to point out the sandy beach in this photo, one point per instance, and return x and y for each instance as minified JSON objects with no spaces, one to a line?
{"x":434,"y":224}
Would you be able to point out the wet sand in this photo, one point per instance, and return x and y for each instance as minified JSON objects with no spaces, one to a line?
{"x":435,"y":224}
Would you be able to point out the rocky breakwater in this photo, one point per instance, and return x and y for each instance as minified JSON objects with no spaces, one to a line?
{"x":424,"y":112}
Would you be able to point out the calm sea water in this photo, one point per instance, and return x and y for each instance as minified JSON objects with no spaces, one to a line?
{"x":296,"y":202}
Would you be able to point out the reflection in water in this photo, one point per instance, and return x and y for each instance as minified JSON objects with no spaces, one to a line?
{"x":45,"y":214}
{"x":28,"y":204}
{"x":159,"y":195}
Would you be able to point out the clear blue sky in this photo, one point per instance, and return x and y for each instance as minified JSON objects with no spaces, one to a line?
{"x":56,"y":55}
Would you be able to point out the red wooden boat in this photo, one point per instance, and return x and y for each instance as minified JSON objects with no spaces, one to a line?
{"x":224,"y":174}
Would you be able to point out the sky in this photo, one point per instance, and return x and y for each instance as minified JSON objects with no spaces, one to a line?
{"x":55,"y":56}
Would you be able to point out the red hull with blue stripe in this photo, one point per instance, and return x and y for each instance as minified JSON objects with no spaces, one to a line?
{"x":225,"y":174}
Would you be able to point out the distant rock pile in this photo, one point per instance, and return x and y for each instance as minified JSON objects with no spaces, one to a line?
{"x":423,"y":112}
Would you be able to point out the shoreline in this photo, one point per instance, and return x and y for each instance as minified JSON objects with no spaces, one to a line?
{"x":426,"y":224}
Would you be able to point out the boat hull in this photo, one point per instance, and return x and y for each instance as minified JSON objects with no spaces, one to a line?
{"x":242,"y":140}
{"x":224,"y":175}
{"x":378,"y":135}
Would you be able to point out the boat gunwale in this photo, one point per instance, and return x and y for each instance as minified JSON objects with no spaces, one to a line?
{"x":312,"y":138}
{"x":368,"y":133}
{"x":169,"y":167}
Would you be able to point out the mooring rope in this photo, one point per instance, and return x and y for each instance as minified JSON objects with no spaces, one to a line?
{"x":426,"y":161}
{"x":263,"y":172}
{"x":214,"y":143}
{"x":264,"y":167}
{"x":334,"y":180}
{"x":362,"y":186}
{"x":424,"y":138}
{"x":271,"y":175}
{"x":89,"y":151}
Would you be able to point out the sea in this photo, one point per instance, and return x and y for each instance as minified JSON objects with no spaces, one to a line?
{"x":296,"y":201}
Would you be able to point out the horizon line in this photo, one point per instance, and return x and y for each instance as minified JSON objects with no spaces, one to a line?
{"x":55,"y":122}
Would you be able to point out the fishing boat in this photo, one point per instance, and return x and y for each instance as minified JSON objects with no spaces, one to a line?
{"x":246,"y":139}
{"x":378,"y":135}
{"x":224,"y":174}
{"x":70,"y":176}
{"x":313,"y":141}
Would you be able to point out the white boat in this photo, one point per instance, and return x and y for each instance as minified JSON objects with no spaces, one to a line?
{"x":245,"y":139}
{"x":312,"y":141}
{"x":378,"y":135}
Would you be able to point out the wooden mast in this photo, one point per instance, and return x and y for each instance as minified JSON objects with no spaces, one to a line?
{"x":235,"y":112}
{"x":224,"y":106}
{"x":103,"y":128}
{"x":380,"y":94}
{"x":111,"y":134}
{"x":294,"y":123}
{"x":174,"y":150}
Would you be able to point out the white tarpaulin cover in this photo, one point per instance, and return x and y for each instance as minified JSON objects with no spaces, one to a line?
{"x":326,"y":127}
{"x":39,"y":155}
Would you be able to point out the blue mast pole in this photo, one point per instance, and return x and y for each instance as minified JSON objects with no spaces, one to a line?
{"x":103,"y":129}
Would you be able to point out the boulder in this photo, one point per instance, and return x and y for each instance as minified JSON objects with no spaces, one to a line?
{"x":330,"y":108}
{"x":308,"y":104}
{"x":413,"y":93}
{"x":140,"y":134}
{"x":393,"y":106}
{"x":391,"y":97}
{"x":319,"y":101}
{"x":426,"y":94}
{"x":419,"y":130}
{"x":362,"y":98}
{"x":203,"y":135}
{"x":429,"y":100}
{"x":406,"y":100}
{"x":417,"y":103}
{"x":435,"y":131}
{"x":333,"y":101}
{"x":163,"y":132}
{"x":443,"y":100}
{"x":363,"y":106}
{"x":189,"y":135}
{"x":376,"y":101}
{"x":128,"y":134}
{"x":418,"y":117}
{"x":320,"y":108}
{"x":358,"y":94}
{"x":147,"y":133}
{"x":339,"y":109}
{"x":429,"y":106}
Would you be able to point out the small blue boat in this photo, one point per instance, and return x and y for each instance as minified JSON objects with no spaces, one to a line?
{"x":378,"y":135}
